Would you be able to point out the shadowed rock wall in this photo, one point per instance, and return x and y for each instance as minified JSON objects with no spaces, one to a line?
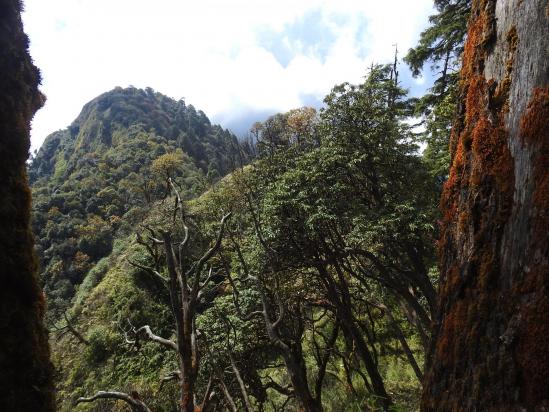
{"x":25,"y":368}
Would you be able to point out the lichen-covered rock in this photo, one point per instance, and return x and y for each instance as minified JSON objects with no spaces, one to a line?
{"x":25,"y":368}
{"x":491,"y":346}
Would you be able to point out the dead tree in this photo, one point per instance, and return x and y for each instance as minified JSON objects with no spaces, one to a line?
{"x":185,"y":283}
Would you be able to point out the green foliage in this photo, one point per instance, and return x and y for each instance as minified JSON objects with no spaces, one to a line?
{"x":344,"y":187}
{"x":441,"y":44}
{"x":168,"y":164}
{"x":330,"y":191}
{"x":93,"y":181}
{"x":102,"y":342}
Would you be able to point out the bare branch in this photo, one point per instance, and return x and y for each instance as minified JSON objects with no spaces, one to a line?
{"x":148,"y":332}
{"x":153,"y":236}
{"x":198,"y":268}
{"x":203,"y":285}
{"x":149,"y":270}
{"x":284,"y":390}
{"x":68,"y":328}
{"x":74,"y":332}
{"x":228,"y":397}
{"x":165,"y":342}
{"x":182,"y":245}
{"x":135,"y":403}
{"x":323,"y":361}
{"x":244,"y":392}
{"x":171,"y":376}
{"x":402,"y":339}
{"x":208,"y":395}
{"x":281,"y":312}
{"x":178,"y":203}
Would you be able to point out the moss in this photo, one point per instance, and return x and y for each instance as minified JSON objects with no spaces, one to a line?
{"x":476,"y":205}
{"x":533,"y":124}
{"x":26,"y":377}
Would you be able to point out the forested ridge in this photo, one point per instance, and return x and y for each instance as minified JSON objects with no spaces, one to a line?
{"x":303,"y":294}
{"x":381,"y":253}
{"x":86,"y":177}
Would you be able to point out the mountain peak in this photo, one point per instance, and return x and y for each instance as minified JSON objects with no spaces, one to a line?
{"x":114,"y":116}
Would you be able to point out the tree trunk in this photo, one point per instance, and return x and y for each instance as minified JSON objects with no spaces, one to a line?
{"x":26,"y":371}
{"x":491,"y":346}
{"x":340,"y":297}
{"x":243,"y":391}
{"x":295,"y":366}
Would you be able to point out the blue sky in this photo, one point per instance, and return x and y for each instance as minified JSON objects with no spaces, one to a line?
{"x":237,"y":60}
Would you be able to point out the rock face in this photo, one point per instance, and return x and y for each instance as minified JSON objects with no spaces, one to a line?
{"x":25,"y":369}
{"x":491,"y":346}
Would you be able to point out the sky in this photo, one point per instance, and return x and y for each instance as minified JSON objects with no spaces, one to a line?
{"x":239,"y":61}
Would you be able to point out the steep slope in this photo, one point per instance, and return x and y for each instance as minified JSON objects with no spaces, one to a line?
{"x":93,"y":179}
{"x":492,"y":346}
{"x":25,"y":368}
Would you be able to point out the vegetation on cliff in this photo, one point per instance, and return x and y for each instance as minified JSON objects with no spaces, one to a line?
{"x":93,"y":180}
{"x":323,"y":287}
{"x":25,"y":369}
{"x":186,"y":270}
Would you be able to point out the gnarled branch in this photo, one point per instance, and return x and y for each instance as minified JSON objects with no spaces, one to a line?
{"x":133,"y":400}
{"x":149,"y":333}
{"x":149,"y":270}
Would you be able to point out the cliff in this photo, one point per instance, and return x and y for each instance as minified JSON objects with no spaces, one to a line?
{"x":26,"y":378}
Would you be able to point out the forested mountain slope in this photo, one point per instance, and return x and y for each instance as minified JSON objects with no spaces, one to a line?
{"x":318,"y":293}
{"x":89,"y":178}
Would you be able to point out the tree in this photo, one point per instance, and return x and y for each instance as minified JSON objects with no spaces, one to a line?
{"x":491,"y":350}
{"x":441,"y":44}
{"x":26,"y":372}
{"x":167,"y":165}
{"x":332,"y":211}
{"x":185,"y":283}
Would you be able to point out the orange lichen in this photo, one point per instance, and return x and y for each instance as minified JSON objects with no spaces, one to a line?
{"x":534,"y":123}
{"x":471,"y":47}
{"x":493,"y":155}
{"x":474,"y":101}
{"x":476,"y":205}
{"x":451,"y":332}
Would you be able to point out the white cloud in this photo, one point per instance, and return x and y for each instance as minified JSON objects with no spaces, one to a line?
{"x":208,"y":52}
